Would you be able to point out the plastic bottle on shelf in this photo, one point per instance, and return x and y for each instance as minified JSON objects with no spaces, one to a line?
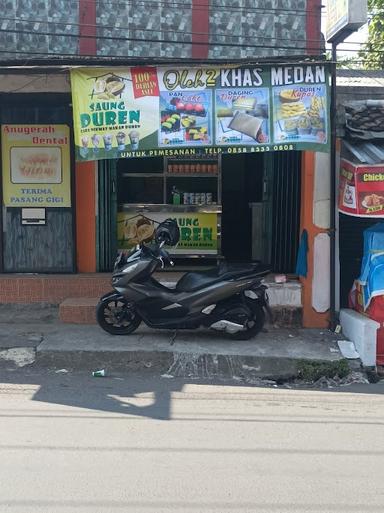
{"x":176,"y":196}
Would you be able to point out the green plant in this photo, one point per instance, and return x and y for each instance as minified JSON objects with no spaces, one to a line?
{"x":312,"y":371}
{"x":373,"y":51}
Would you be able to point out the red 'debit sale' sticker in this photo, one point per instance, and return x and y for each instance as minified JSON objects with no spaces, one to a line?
{"x":144,"y":82}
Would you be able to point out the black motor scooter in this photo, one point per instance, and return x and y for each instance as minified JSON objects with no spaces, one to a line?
{"x":229,"y":298}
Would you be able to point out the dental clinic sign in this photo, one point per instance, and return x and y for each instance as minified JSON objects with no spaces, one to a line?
{"x":171,"y":111}
{"x":344,"y":17}
{"x":36,"y":165}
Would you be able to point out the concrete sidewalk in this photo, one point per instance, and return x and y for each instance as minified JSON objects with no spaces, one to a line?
{"x":35,"y":336}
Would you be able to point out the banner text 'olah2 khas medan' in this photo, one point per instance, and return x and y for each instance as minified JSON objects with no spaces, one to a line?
{"x":170,"y":111}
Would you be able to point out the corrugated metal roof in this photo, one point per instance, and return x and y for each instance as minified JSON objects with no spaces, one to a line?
{"x":360,"y":78}
{"x":366,"y":153}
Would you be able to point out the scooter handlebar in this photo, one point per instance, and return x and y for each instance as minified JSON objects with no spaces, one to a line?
{"x":157,"y":252}
{"x":164,"y":255}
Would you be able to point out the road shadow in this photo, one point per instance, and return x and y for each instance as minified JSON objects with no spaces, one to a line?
{"x":135,"y":395}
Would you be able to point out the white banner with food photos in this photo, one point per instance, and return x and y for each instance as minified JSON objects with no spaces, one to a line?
{"x":175,"y":111}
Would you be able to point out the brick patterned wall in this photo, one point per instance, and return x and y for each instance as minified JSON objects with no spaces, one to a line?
{"x":160,"y":22}
{"x":137,"y":28}
{"x":269,"y":33}
{"x":52,"y":289}
{"x":39,"y":26}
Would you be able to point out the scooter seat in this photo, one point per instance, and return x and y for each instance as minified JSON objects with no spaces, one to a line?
{"x":194,"y":281}
{"x":197,"y":280}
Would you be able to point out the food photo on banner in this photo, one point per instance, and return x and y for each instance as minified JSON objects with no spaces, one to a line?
{"x":185,"y":118}
{"x":172,"y":111}
{"x":242,"y":116}
{"x":300,"y":114}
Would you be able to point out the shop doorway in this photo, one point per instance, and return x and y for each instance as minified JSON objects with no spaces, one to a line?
{"x":242,"y":190}
{"x":27,"y":246}
{"x":106,"y":233}
{"x":260,"y":205}
{"x":261,"y":208}
{"x":135,"y":181}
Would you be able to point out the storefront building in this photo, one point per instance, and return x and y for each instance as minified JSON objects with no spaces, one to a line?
{"x":360,"y":211}
{"x":361,"y":154}
{"x":239,"y":205}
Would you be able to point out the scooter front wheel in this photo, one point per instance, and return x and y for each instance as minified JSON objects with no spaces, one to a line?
{"x":117,"y":316}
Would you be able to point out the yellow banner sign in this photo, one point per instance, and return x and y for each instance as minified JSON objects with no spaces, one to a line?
{"x":36,"y":166}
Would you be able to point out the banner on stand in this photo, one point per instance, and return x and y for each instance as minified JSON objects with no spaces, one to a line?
{"x":198,"y":230}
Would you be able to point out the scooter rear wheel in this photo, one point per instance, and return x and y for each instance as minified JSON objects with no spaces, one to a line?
{"x":117,"y":317}
{"x":253,"y":326}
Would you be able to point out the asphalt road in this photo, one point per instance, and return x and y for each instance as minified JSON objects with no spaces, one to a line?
{"x":73,"y":443}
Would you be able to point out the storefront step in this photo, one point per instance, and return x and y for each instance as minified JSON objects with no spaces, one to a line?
{"x":287,"y":316}
{"x":78,"y":294}
{"x":284,"y":294}
{"x":55,"y":288}
{"x":78,"y":310}
{"x":51,"y":288}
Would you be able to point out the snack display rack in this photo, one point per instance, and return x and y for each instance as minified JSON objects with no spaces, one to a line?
{"x":194,"y":176}
{"x":191,"y":187}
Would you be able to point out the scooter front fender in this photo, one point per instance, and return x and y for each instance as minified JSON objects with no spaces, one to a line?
{"x":113,"y":296}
